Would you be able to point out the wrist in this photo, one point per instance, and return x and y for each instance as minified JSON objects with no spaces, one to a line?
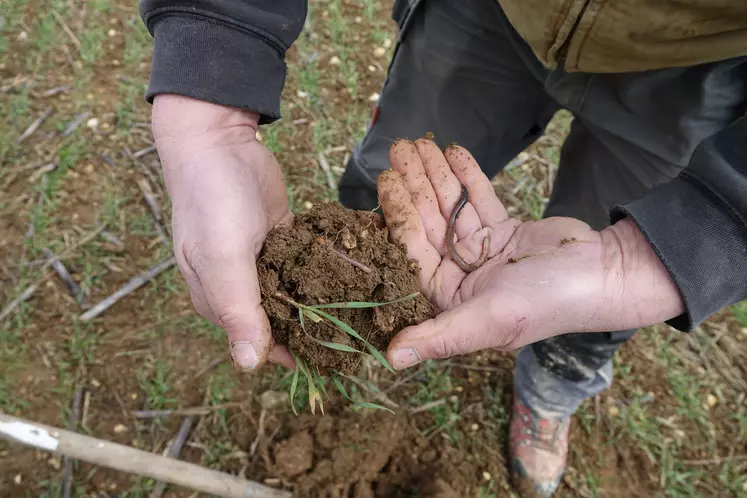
{"x":196,"y":122}
{"x":638,"y":289}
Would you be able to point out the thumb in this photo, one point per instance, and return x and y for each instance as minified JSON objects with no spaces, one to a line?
{"x":232,"y":293}
{"x":472,"y":326}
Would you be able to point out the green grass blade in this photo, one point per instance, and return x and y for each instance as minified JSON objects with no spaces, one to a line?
{"x":380,"y":357}
{"x":294,"y":386}
{"x":336,"y":345}
{"x":312,"y":316}
{"x":320,"y":382}
{"x":342,"y":326}
{"x":373,"y":406}
{"x":362,"y":304}
{"x":349,"y":330}
{"x":336,"y":381}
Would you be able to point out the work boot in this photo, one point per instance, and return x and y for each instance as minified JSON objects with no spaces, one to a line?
{"x":539,"y":449}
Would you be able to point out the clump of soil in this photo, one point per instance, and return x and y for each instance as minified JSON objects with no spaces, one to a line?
{"x":367,"y":457}
{"x":310,"y":263}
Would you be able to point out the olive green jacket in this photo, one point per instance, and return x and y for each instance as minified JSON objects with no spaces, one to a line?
{"x":609,"y":36}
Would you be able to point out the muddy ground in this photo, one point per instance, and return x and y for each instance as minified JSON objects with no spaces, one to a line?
{"x":674,"y":424}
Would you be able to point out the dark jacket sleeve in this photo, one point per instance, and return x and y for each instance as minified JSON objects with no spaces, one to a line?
{"x":697,"y":224}
{"x":229,"y":52}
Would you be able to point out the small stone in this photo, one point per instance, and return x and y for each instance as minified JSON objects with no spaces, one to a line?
{"x":23,"y":36}
{"x":679,"y":434}
{"x":371,"y":69}
{"x":302,"y":94}
{"x":387,"y":43}
{"x":459,"y":389}
{"x":95,"y":383}
{"x":486,"y":476}
{"x":115,"y":62}
{"x":112,"y":32}
{"x":744,"y":331}
{"x":454,"y":398}
{"x":613,"y":411}
{"x":474,"y":427}
{"x":335,"y":61}
{"x":374,"y":97}
{"x":379,"y":52}
{"x":348,"y":239}
{"x":113,"y":486}
{"x":18,"y":478}
{"x":307,"y":205}
{"x":54,"y":463}
{"x":711,"y":400}
{"x":120,"y":428}
{"x":90,"y":168}
{"x":92,"y":123}
{"x":133,"y":396}
{"x":358,"y":19}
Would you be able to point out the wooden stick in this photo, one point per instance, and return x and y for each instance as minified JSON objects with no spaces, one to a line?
{"x":143,"y":152}
{"x":147,"y":192}
{"x":131,"y":460}
{"x":35,"y":125}
{"x":325,"y":167}
{"x":14,"y":303}
{"x":67,"y":30}
{"x":174,"y":450}
{"x":72,"y":286}
{"x":194,"y":411}
{"x":54,"y":91}
{"x":74,"y":124}
{"x":134,"y":284}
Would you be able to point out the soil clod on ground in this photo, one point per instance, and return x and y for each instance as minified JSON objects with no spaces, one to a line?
{"x":335,"y":255}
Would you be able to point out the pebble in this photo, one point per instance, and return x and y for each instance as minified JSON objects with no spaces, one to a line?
{"x":92,"y":123}
{"x":112,"y":32}
{"x":613,"y":411}
{"x":387,"y":43}
{"x":711,"y":400}
{"x":17,"y":479}
{"x":474,"y":427}
{"x":95,"y":383}
{"x":23,"y":36}
{"x":120,"y":428}
{"x":307,"y":205}
{"x":133,"y":396}
{"x":371,"y":69}
{"x":335,"y":61}
{"x":744,"y":331}
{"x":358,"y":19}
{"x":379,"y":52}
{"x":486,"y":476}
{"x":302,"y":94}
{"x":374,"y":97}
{"x":55,"y":463}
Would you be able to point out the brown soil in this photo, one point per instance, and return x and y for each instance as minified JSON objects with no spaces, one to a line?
{"x":379,"y":455}
{"x":304,"y":262}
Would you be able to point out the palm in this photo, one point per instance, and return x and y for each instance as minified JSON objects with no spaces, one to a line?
{"x":556,"y":260}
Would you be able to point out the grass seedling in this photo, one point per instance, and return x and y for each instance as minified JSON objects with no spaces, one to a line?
{"x":314,"y":379}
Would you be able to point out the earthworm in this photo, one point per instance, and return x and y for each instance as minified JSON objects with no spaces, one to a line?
{"x":450,"y":245}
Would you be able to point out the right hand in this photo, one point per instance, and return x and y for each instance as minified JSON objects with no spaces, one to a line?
{"x":227,"y":191}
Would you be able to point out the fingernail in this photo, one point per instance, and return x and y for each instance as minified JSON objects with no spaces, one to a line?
{"x":244,"y":355}
{"x":405,"y":357}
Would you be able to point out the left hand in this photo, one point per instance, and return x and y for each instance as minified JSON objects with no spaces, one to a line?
{"x":541,"y":279}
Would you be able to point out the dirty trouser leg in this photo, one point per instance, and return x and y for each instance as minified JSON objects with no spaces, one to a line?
{"x":631,"y":132}
{"x":456,"y":74}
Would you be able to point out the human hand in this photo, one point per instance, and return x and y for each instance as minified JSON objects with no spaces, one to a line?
{"x":227,"y":191}
{"x":541,"y":278}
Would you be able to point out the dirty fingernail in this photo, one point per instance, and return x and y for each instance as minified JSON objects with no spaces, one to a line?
{"x":244,"y":355}
{"x":405,"y":357}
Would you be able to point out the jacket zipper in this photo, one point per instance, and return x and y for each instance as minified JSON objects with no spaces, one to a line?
{"x":563,"y":51}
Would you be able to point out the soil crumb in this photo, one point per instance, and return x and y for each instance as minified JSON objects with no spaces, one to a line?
{"x":333,"y":254}
{"x":374,"y":456}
